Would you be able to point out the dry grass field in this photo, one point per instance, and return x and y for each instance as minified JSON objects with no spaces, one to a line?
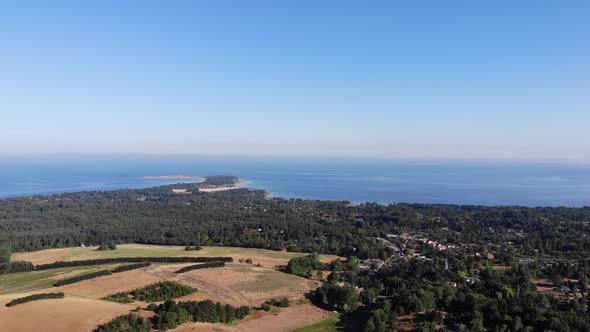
{"x":118,"y":282}
{"x":282,"y":320}
{"x":82,"y":310}
{"x":69,"y":314}
{"x":267,"y":258}
{"x":239,"y":284}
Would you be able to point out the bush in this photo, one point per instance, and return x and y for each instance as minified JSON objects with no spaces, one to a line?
{"x":265,"y":307}
{"x":283,"y":303}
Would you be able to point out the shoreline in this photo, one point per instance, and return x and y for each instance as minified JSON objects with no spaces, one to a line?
{"x":236,"y":185}
{"x":175,"y":177}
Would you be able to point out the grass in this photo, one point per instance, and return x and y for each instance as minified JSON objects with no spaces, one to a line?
{"x":171,"y":251}
{"x":122,"y":251}
{"x":30,"y":281}
{"x":329,"y":324}
{"x":266,"y":280}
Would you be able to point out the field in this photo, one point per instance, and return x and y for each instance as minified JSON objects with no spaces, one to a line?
{"x":283,"y":320}
{"x":239,"y":284}
{"x":82,"y":310}
{"x":68,"y":314}
{"x":267,"y":258}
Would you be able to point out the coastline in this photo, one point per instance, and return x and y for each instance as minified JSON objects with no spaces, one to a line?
{"x":236,"y":185}
{"x":176,"y":177}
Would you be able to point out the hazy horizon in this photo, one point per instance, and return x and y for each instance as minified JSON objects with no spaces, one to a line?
{"x":499,"y":81}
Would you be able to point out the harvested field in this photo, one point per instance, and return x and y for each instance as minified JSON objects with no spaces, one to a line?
{"x":29,"y":281}
{"x":103,"y":286}
{"x":42,"y":256}
{"x":285,"y":320}
{"x":267,"y":258}
{"x":82,"y":310}
{"x":68,"y":314}
{"x":239,"y":284}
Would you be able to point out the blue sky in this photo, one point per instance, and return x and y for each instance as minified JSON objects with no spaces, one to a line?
{"x":466,"y":80}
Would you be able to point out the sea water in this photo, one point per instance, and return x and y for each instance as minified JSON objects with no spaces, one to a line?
{"x":355,"y":181}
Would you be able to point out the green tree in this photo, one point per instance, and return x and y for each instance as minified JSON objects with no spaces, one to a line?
{"x":5,"y":252}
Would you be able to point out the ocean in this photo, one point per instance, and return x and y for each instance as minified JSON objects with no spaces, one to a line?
{"x":355,"y":181}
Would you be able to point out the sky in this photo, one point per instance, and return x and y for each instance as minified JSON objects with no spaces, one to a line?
{"x":434,"y":80}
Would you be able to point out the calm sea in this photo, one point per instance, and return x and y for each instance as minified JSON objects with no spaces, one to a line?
{"x":382,"y":182}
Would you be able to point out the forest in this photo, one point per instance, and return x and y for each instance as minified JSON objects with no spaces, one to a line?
{"x":247,"y":218}
{"x":460,"y":268}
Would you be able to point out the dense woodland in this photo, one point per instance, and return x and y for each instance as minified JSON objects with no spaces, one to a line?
{"x":245,"y":217}
{"x":455,"y":289}
{"x":504,"y":300}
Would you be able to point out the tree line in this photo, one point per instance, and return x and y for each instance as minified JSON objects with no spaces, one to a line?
{"x":35,"y":297}
{"x":129,"y":267}
{"x":82,"y":277}
{"x":104,"y":261}
{"x":201,"y":266}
